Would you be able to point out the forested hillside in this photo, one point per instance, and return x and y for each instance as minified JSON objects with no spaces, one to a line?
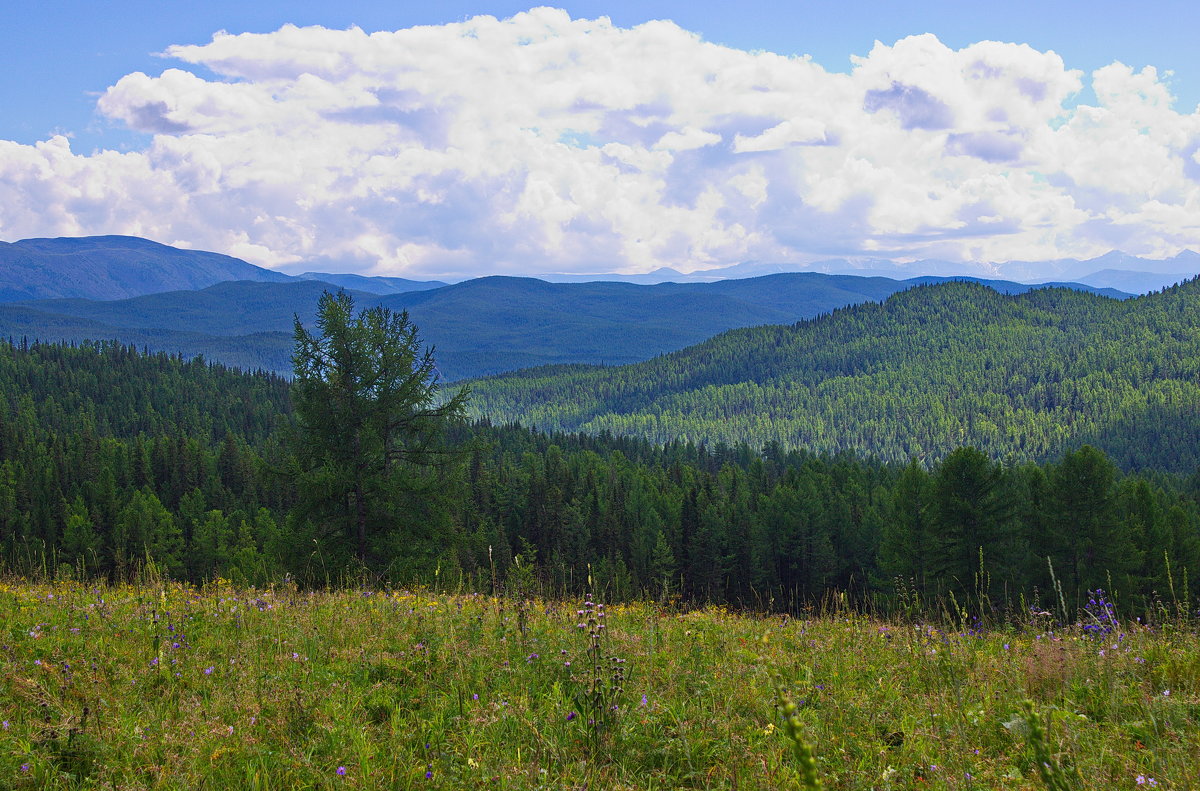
{"x":1028,"y":375}
{"x":108,"y":456}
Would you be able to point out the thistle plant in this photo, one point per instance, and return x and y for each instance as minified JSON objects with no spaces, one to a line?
{"x":598,"y":685}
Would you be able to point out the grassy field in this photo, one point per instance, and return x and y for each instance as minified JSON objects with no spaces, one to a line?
{"x":166,"y":686}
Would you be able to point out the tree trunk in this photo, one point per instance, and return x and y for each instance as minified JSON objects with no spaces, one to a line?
{"x":360,"y":506}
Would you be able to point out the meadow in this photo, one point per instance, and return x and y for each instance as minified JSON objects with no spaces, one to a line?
{"x":161,"y":685}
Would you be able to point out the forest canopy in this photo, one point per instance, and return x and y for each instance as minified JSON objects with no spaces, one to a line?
{"x":1030,"y":376}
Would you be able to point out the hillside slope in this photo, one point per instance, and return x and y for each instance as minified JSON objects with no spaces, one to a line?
{"x":112,"y":267}
{"x":929,"y":369}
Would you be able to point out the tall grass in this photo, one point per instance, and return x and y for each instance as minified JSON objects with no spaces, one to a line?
{"x":158,"y":685}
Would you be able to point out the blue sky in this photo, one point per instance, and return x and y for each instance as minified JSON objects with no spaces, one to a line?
{"x":461,"y":149}
{"x":60,"y":55}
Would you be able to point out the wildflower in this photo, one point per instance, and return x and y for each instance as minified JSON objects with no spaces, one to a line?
{"x":571,"y":716}
{"x":428,"y":771}
{"x":6,"y":725}
{"x":24,"y":768}
{"x":208,"y":670}
{"x":1166,"y":693}
{"x":475,"y":696}
{"x":341,"y":770}
{"x":643,"y":700}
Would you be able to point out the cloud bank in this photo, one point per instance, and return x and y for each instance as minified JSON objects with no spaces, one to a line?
{"x":543,"y":143}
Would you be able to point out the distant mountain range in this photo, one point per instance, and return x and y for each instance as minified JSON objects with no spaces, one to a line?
{"x":373,"y":284}
{"x":1113,"y":270}
{"x":120,"y":267}
{"x":479,"y":327}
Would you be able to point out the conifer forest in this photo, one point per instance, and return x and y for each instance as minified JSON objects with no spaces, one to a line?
{"x":111,"y":458}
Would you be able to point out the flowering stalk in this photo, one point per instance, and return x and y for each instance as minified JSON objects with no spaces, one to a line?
{"x":795,"y":732}
{"x":599,"y":687}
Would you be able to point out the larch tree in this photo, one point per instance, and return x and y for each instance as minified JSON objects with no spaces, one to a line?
{"x":369,"y":417}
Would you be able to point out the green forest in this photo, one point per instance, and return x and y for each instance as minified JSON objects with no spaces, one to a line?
{"x":1026,"y":376}
{"x":112,"y":459}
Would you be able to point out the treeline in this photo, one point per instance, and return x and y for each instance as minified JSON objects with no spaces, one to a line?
{"x":1030,"y":376}
{"x":109,"y":457}
{"x":751,"y":528}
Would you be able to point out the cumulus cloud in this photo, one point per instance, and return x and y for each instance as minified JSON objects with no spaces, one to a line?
{"x":916,"y":109}
{"x":545,"y":143}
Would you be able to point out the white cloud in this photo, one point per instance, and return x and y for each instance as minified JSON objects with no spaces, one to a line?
{"x":545,"y":143}
{"x":793,"y":131}
{"x":686,"y":140}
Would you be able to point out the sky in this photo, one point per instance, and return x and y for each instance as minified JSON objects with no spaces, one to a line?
{"x":455,"y":138}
